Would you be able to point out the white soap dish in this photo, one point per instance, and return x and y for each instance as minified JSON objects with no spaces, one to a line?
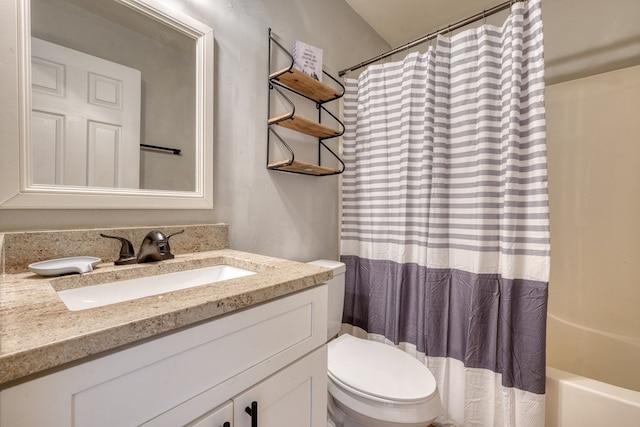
{"x":57,"y":267}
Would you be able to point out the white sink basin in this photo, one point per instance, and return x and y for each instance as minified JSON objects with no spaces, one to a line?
{"x":86,"y":297}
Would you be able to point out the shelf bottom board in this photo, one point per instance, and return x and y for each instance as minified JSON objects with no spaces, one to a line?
{"x":303,"y":168}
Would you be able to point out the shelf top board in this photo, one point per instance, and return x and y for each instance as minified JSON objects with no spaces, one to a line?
{"x":306,"y":85}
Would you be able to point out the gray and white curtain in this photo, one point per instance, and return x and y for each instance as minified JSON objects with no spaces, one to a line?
{"x":445,"y":229}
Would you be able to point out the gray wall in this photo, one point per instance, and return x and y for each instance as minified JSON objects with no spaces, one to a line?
{"x":273,"y":213}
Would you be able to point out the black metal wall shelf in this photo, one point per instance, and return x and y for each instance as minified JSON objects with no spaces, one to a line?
{"x":293,"y":80}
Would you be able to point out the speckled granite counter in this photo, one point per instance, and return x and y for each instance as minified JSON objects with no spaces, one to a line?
{"x":38,"y":332}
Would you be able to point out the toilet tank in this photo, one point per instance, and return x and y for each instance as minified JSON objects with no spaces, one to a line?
{"x":336,"y":295}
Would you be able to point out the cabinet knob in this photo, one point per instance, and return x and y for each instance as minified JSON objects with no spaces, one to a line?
{"x":253,"y":412}
{"x":226,"y":424}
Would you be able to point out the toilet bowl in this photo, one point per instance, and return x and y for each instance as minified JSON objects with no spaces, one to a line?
{"x":372,"y":384}
{"x":377,"y":385}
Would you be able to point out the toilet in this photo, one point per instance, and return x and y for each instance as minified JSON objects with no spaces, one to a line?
{"x":372,"y":384}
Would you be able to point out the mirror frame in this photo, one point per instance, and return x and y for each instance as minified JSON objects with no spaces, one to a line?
{"x":17,"y":190}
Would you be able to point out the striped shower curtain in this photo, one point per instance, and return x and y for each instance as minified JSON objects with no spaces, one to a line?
{"x":445,"y":216}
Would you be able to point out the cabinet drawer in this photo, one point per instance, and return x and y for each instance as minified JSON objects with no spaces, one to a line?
{"x":139,"y":383}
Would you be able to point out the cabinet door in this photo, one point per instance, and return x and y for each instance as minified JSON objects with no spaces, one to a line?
{"x":293,"y":397}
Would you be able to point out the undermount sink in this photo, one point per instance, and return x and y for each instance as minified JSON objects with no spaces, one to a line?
{"x":86,"y":297}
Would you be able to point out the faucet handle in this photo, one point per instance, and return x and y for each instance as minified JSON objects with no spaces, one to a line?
{"x":166,"y":250}
{"x":127,"y":254}
{"x":173,"y":234}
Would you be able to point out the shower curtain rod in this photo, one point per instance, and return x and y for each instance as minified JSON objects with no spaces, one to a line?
{"x":426,"y":38}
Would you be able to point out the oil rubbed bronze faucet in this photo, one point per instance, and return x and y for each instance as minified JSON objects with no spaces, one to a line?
{"x":155,"y":247}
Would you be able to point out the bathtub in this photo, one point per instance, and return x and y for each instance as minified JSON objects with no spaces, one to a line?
{"x":574,"y":401}
{"x":577,"y":399}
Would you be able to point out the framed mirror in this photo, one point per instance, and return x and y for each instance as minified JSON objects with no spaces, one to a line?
{"x":115,"y":107}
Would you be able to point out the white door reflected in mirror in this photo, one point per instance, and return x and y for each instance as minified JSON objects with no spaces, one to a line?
{"x":85,"y":122}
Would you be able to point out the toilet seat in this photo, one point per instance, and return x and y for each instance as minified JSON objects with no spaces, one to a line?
{"x":379,"y":371}
{"x":372,"y":381}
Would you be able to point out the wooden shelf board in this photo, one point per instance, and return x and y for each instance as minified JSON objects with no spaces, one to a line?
{"x":299,"y":81}
{"x":306,"y":126}
{"x":303,"y":168}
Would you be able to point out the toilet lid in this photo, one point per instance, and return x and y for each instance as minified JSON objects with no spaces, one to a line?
{"x":379,"y":370}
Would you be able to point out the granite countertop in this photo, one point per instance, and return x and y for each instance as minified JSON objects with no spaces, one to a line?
{"x":39,"y":333}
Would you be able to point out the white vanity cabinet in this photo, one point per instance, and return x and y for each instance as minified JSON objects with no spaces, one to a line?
{"x":273,"y":354}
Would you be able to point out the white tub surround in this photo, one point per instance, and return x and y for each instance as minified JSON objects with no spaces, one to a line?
{"x":573,"y":400}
